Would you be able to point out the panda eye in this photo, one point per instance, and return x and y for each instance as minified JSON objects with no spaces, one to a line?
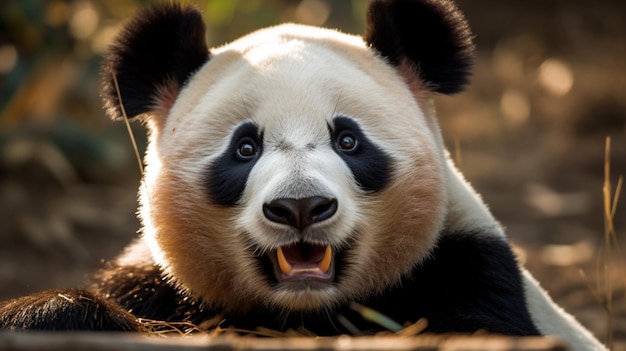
{"x":246,"y":149}
{"x":347,"y":142}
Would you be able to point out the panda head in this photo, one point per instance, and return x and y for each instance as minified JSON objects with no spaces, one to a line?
{"x":295,"y":168}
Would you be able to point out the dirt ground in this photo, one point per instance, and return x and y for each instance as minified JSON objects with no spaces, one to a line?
{"x":529,"y":134}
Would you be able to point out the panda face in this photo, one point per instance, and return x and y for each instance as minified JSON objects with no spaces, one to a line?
{"x":295,"y":170}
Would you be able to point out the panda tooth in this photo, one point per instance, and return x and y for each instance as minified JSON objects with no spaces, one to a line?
{"x":285,"y":267}
{"x":324,"y":264}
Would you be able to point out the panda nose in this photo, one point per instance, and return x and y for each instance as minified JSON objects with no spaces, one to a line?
{"x":300,"y":213}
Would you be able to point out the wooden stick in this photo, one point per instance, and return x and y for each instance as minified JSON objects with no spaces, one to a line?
{"x":31,"y":341}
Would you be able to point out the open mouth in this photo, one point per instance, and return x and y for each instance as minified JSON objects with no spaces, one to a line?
{"x":304,"y":261}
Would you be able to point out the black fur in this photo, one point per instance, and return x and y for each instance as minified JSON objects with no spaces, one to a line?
{"x":64,"y":310}
{"x":431,"y":36}
{"x":471,"y":283}
{"x":161,"y":47}
{"x":370,"y":165}
{"x":143,"y":291}
{"x":228,"y":174}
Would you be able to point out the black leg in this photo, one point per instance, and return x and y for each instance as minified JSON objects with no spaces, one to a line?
{"x":69,"y":309}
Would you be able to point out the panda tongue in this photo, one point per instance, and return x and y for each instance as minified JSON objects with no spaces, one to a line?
{"x":303,"y":258}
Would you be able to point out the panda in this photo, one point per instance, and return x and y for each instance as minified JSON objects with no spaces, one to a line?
{"x":295,"y":172}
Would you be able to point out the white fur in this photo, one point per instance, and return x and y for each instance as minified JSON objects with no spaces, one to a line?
{"x":553,"y":320}
{"x":281,"y":173}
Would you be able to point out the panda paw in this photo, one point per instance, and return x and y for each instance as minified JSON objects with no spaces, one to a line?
{"x":65,"y":310}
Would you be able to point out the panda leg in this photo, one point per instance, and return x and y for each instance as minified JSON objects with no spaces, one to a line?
{"x":58,"y":310}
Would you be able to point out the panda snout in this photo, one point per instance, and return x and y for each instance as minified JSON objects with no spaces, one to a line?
{"x":300,"y":213}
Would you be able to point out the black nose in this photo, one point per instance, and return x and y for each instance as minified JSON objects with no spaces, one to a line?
{"x":300,"y":213}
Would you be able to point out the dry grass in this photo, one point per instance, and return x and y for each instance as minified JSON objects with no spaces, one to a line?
{"x":609,"y":253}
{"x":213,"y":327}
{"x":610,"y":250}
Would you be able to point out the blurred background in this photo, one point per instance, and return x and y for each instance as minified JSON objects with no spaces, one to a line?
{"x":529,"y":133}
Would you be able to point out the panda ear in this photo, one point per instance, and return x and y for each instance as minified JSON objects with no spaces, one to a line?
{"x":152,"y":58}
{"x":431,"y":36}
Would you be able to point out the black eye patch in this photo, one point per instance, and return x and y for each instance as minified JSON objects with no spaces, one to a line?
{"x":229,"y":173}
{"x":370,"y":165}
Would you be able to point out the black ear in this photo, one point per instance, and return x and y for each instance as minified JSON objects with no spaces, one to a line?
{"x":431,"y":36}
{"x":152,"y":58}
